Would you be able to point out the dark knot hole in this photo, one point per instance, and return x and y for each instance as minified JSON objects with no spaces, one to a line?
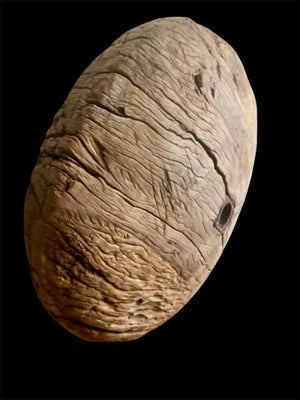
{"x":224,"y":215}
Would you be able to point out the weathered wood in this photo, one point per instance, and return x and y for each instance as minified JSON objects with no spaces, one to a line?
{"x":140,"y":180}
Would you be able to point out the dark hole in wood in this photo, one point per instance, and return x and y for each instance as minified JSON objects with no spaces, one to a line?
{"x":224,"y":215}
{"x":121,"y":110}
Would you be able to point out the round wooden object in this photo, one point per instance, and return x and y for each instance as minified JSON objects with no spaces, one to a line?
{"x":140,"y":180}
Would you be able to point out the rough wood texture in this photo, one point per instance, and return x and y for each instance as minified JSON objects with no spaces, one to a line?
{"x":140,"y":180}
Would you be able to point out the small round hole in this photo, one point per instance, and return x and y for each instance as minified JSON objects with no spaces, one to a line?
{"x":224,"y":215}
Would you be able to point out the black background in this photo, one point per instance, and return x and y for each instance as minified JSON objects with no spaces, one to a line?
{"x":238,"y":337}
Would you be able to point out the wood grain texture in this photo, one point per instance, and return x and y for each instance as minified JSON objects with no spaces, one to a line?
{"x":140,"y":180}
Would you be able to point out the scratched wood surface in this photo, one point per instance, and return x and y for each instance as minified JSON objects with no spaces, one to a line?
{"x":140,"y":180}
